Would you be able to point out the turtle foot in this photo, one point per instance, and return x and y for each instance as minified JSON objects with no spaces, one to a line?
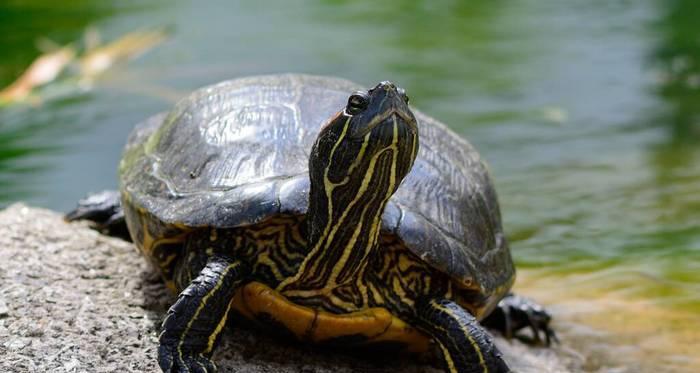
{"x":171,"y":360}
{"x":514,"y":313}
{"x":104,"y":210}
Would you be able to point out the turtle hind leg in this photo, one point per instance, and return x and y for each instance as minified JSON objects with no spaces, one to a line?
{"x":104,"y":210}
{"x":514,"y":313}
{"x":466,"y":346}
{"x":193,"y":324}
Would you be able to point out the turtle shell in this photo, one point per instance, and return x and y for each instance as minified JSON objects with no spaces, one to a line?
{"x":237,"y":152}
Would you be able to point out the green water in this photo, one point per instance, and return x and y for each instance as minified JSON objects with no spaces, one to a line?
{"x":588,"y":112}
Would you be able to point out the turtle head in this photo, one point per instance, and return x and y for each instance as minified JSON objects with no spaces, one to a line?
{"x":372,"y":141}
{"x":356,"y":164}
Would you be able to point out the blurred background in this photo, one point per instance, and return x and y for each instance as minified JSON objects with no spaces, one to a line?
{"x":587,"y":111}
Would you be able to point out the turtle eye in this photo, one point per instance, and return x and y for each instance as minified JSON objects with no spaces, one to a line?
{"x":402,"y":93}
{"x":357,"y":102}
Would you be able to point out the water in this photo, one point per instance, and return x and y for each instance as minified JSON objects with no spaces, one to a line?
{"x":588,"y":113}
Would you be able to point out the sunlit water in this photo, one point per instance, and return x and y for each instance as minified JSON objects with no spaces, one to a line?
{"x":588,"y":113}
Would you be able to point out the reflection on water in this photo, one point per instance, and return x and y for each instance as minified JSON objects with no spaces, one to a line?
{"x":587,"y":111}
{"x":14,"y":150}
{"x":613,"y":318}
{"x":30,"y":140}
{"x":678,"y":57}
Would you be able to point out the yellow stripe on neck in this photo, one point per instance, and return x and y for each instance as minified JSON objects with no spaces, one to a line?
{"x":316,"y":260}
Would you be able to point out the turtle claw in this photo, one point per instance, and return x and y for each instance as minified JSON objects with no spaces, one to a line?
{"x":514,"y":313}
{"x":172,"y":361}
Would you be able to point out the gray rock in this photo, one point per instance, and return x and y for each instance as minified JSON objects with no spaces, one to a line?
{"x":72,"y":300}
{"x":3,"y":308}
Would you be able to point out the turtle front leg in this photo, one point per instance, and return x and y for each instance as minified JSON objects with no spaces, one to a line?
{"x":192,"y":325}
{"x":104,"y":209}
{"x":515,"y":312}
{"x":466,"y":346}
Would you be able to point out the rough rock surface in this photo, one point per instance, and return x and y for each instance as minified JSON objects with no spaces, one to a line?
{"x":72,"y":300}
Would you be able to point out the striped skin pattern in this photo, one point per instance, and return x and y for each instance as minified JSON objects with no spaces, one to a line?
{"x":348,"y":202}
{"x":160,"y":243}
{"x":274,"y":249}
{"x":202,"y":306}
{"x":460,"y":337}
{"x":396,"y":278}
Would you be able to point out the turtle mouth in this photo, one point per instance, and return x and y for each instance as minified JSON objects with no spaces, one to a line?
{"x":389,"y":117}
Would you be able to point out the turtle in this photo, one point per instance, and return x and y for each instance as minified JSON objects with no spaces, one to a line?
{"x":336,"y":214}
